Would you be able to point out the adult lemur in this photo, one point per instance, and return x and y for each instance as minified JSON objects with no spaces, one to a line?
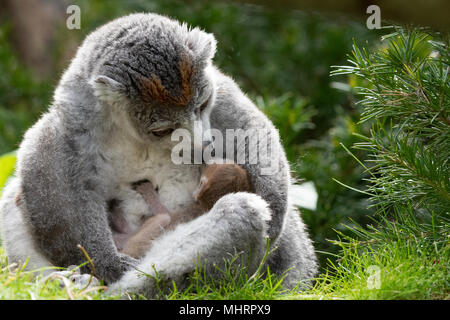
{"x":132,"y":82}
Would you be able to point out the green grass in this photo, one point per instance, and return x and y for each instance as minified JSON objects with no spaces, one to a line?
{"x":406,"y":271}
{"x":403,"y":274}
{"x":18,"y":284}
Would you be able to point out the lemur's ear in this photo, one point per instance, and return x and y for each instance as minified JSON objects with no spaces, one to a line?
{"x":202,"y":44}
{"x":106,"y":88}
{"x":104,"y":82}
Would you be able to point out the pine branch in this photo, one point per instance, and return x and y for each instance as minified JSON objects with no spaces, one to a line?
{"x":406,"y":95}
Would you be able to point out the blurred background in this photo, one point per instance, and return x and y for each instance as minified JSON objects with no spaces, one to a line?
{"x":279,"y":55}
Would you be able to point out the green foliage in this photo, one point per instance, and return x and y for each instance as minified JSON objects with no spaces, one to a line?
{"x":22,"y":98}
{"x":323,"y":162}
{"x":406,"y":97}
{"x":403,"y":270}
{"x":292,"y":116}
{"x":408,"y":93}
{"x":410,"y":89}
{"x":7,"y":164}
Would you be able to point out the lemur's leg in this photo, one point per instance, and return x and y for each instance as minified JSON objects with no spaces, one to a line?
{"x":236,"y":224}
{"x":17,"y":240}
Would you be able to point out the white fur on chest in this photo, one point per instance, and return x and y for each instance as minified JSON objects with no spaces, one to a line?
{"x":128,"y":163}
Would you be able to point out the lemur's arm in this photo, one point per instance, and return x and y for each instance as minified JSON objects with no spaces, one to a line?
{"x":233,"y":110}
{"x":62,"y":199}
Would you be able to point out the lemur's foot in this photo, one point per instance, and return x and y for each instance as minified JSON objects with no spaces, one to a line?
{"x":72,"y":277}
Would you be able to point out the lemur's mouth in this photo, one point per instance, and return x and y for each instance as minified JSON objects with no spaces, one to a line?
{"x":163,"y":132}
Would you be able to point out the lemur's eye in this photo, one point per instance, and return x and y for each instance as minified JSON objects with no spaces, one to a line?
{"x":163,"y":132}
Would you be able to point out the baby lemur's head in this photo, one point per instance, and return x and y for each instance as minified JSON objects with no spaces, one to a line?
{"x":154,"y":72}
{"x":218,"y":180}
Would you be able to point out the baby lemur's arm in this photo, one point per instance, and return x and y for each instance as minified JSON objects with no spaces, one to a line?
{"x":137,"y":244}
{"x":150,"y":195}
{"x":216,"y":181}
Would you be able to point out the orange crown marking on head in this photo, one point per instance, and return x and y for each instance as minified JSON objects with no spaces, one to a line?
{"x":153,"y":89}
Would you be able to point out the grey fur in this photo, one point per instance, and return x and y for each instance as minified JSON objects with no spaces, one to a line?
{"x":96,"y":138}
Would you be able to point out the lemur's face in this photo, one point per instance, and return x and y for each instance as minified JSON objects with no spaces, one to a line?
{"x":155,"y":119}
{"x":160,"y":85}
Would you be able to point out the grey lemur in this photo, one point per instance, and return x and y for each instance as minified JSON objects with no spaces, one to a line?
{"x":133,"y":82}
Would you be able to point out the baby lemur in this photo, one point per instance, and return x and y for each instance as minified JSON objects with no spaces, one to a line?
{"x":216,"y":181}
